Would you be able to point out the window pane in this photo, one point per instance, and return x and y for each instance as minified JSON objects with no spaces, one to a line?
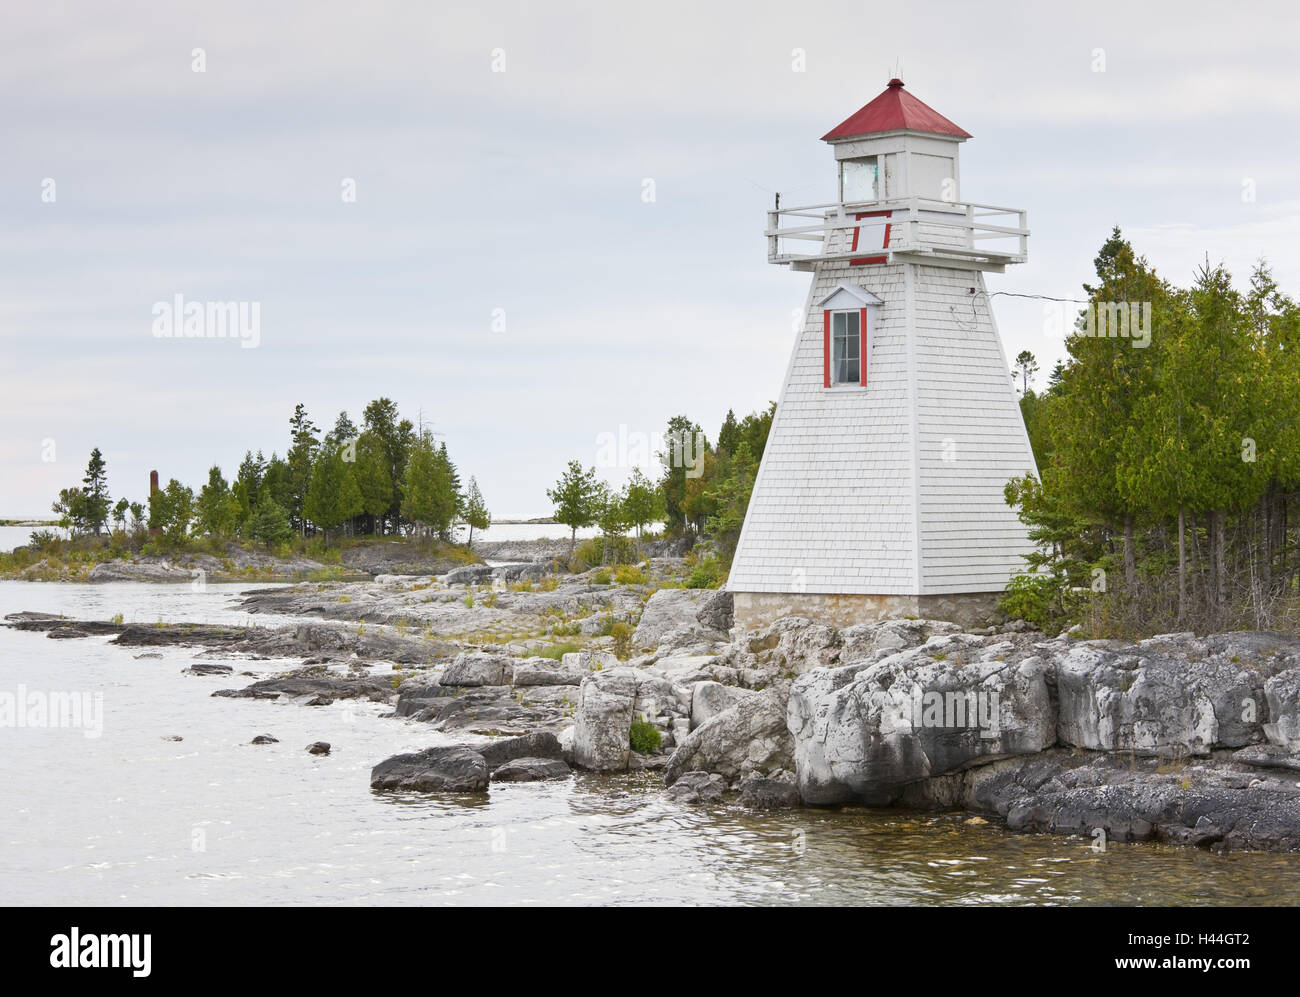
{"x":858,"y":180}
{"x":837,"y":323}
{"x":851,"y":371}
{"x":851,"y":322}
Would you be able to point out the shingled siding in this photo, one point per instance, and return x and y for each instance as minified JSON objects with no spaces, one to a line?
{"x":970,"y":438}
{"x":834,"y":507}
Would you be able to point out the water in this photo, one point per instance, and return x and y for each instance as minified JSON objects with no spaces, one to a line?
{"x":130,"y":818}
{"x":20,"y":536}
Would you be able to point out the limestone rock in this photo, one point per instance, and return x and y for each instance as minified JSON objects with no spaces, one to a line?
{"x":750,"y":737}
{"x":435,"y":770}
{"x":477,"y":668}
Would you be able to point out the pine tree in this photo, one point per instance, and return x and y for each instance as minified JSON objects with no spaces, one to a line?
{"x":374,"y":479}
{"x":269,"y":523}
{"x":300,"y":460}
{"x":396,"y":438}
{"x":95,"y":486}
{"x":477,"y":516}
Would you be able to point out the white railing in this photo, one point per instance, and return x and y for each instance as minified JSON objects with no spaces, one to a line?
{"x":919,"y":226}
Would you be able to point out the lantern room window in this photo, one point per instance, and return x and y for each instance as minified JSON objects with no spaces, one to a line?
{"x":846,"y":342}
{"x":859,"y":180}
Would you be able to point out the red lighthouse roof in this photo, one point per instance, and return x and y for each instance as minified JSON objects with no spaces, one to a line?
{"x":895,"y":109}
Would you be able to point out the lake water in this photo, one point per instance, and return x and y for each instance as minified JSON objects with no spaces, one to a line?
{"x":18,"y":536}
{"x":130,"y":818}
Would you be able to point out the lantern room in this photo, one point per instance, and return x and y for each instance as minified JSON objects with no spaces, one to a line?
{"x":896,"y":146}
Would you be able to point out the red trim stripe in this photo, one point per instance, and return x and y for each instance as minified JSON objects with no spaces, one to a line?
{"x":826,"y":348}
{"x":861,"y":261}
{"x":862,"y":346}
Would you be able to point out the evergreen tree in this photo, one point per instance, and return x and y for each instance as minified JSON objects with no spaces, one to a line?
{"x":396,"y":438}
{"x":374,"y":479}
{"x":300,"y":459}
{"x":729,"y":434}
{"x":730,"y":499}
{"x":218,"y":508}
{"x":95,"y":486}
{"x":477,"y":516}
{"x":682,"y":445}
{"x":333,"y":496}
{"x":1026,"y":366}
{"x":269,"y":523}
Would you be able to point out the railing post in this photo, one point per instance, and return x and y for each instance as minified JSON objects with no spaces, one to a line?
{"x":1024,"y":234}
{"x":773,"y":220}
{"x":913,"y":223}
{"x":970,"y":226}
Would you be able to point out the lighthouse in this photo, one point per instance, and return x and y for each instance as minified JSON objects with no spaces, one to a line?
{"x":880,"y":491}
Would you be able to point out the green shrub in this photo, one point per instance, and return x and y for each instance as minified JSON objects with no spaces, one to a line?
{"x":555,"y":651}
{"x":708,"y":574}
{"x":622,"y":634}
{"x":643,"y":737}
{"x":601,"y":578}
{"x":629,"y":574}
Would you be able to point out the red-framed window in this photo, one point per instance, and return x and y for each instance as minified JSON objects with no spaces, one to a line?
{"x":844,"y":346}
{"x":857,"y":232}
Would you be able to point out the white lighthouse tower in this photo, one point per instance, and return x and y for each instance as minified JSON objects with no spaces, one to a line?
{"x":881,"y":488}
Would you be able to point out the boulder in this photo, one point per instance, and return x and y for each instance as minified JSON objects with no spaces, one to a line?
{"x":671,"y":620}
{"x":201,"y":669}
{"x":863,"y":732}
{"x":475,"y":668}
{"x":538,"y":744}
{"x":1155,"y":697}
{"x":1282,"y":692}
{"x":571,"y":669}
{"x":531,"y":770}
{"x":421,"y":693}
{"x":717,"y":611}
{"x":750,"y":737}
{"x":139,"y":571}
{"x":759,"y":793}
{"x":708,"y":699}
{"x":471,"y":574}
{"x":697,"y":787}
{"x":794,"y":645}
{"x":604,"y":717}
{"x":452,"y":769}
{"x":608,"y":702}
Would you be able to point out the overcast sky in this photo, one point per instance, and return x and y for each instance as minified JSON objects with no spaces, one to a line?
{"x":522,"y":191}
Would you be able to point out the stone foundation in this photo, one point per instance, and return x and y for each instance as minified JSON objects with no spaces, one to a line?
{"x":966,"y":609}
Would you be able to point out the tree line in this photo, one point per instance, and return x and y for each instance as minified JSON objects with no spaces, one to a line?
{"x":1167,"y":470}
{"x":702,"y":489}
{"x":383,"y":477}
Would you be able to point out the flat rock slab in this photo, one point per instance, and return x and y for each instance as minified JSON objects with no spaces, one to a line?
{"x":531,"y":770}
{"x":452,"y":769}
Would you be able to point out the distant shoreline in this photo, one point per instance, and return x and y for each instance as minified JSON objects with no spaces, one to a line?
{"x":29,"y":522}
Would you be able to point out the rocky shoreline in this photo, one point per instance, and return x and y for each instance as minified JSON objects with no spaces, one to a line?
{"x":1180,"y":739}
